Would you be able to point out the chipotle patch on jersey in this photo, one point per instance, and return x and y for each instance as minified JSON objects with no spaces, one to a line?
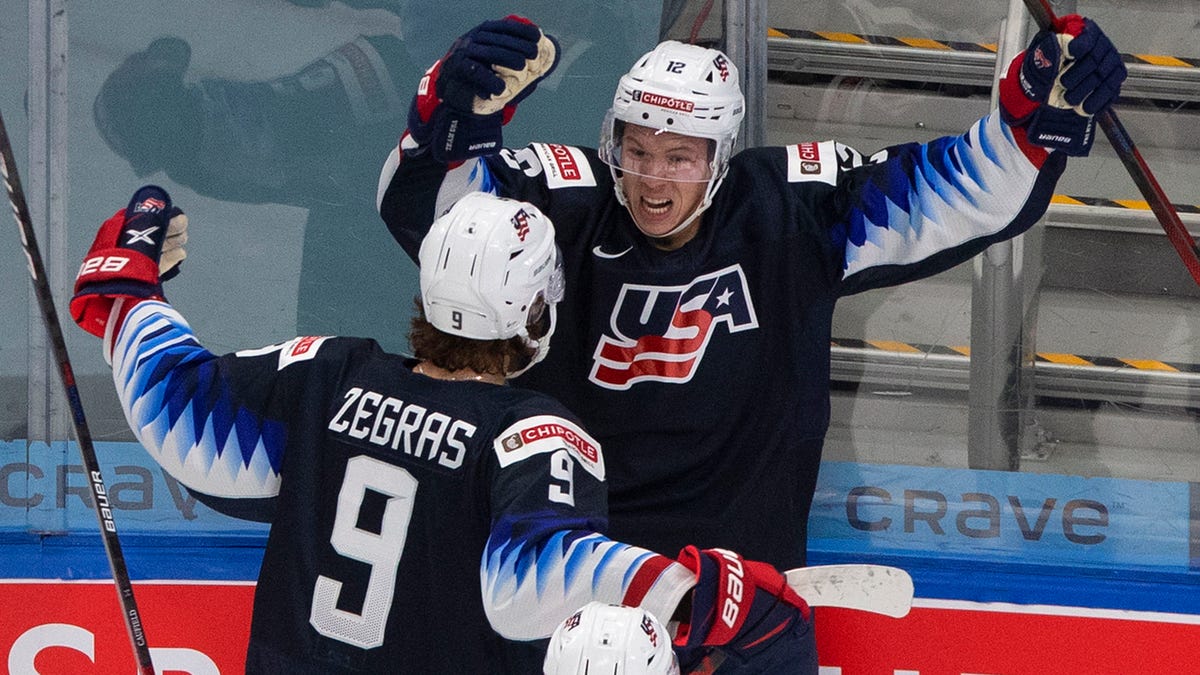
{"x":812,"y":162}
{"x":565,"y":166}
{"x":547,"y":433}
{"x":297,"y":349}
{"x":300,"y":349}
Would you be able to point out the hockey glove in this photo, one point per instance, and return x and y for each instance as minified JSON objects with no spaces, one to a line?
{"x":739,"y":605}
{"x":1054,"y":87}
{"x":134,"y":251}
{"x":466,"y":97}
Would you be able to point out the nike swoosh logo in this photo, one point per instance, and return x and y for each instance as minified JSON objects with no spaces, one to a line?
{"x":609,"y":256}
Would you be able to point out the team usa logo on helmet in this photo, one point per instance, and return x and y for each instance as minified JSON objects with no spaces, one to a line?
{"x":572,"y":621}
{"x":610,"y":639}
{"x":660,"y":333}
{"x":722,"y":65}
{"x":520,"y":221}
{"x":649,"y":629}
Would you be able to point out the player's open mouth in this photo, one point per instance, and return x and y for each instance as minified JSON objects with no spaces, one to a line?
{"x":656,"y":207}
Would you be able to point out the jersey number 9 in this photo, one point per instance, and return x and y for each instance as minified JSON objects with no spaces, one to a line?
{"x":381,"y":551}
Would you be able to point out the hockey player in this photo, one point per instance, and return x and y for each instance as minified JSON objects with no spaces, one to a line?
{"x":694,"y":336}
{"x":416,"y":504}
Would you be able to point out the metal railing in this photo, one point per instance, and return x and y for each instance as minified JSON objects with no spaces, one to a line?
{"x":953,"y":66}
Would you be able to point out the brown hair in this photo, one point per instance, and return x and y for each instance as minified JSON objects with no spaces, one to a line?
{"x":453,"y":352}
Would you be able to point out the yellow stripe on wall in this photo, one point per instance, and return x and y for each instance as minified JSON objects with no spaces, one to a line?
{"x":1064,"y":359}
{"x":842,"y":37}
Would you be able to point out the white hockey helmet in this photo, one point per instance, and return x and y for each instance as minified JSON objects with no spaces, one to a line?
{"x":487,"y":266}
{"x":681,"y":88}
{"x":610,"y":639}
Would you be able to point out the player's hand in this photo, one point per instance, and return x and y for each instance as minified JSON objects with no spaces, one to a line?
{"x":466,"y":97}
{"x":737,"y":604}
{"x":1065,"y":76}
{"x":134,"y":251}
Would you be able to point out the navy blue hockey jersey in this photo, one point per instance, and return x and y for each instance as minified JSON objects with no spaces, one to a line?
{"x":410,"y":516}
{"x":704,"y":371}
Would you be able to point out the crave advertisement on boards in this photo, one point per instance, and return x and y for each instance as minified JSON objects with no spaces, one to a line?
{"x":1015,"y":573}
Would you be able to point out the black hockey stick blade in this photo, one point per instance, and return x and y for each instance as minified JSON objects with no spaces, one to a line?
{"x":41,"y":287}
{"x":1162,"y":207}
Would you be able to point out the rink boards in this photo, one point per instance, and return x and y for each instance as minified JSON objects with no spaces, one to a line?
{"x":1014,"y":573}
{"x":201,"y":628}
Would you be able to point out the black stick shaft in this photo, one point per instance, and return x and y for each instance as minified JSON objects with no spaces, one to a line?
{"x":1162,"y":207}
{"x":100,"y":500}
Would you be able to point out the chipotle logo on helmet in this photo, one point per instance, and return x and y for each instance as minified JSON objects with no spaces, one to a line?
{"x":668,"y":102}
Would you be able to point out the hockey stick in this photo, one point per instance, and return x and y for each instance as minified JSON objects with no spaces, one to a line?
{"x":1167,"y":216}
{"x":869,"y":588}
{"x":100,"y":501}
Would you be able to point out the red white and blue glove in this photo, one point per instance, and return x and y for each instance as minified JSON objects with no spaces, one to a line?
{"x":1054,"y":87}
{"x":135,"y":250}
{"x":466,"y":97}
{"x":739,"y":605}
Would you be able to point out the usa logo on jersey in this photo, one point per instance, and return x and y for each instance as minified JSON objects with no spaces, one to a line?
{"x":661,"y":332}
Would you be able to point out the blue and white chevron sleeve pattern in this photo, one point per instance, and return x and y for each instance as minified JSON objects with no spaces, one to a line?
{"x":473,"y":175}
{"x":531,"y":584}
{"x":179,"y":405}
{"x":948,"y":192}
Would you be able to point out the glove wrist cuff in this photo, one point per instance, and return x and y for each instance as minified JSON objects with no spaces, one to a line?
{"x":1015,"y":104}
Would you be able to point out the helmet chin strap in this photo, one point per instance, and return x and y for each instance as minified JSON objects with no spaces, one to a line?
{"x":541,"y":346}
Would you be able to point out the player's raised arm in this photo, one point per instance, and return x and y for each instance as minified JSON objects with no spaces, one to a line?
{"x":177,"y":395}
{"x":456,"y":117}
{"x":914,"y":210}
{"x":1056,"y":86}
